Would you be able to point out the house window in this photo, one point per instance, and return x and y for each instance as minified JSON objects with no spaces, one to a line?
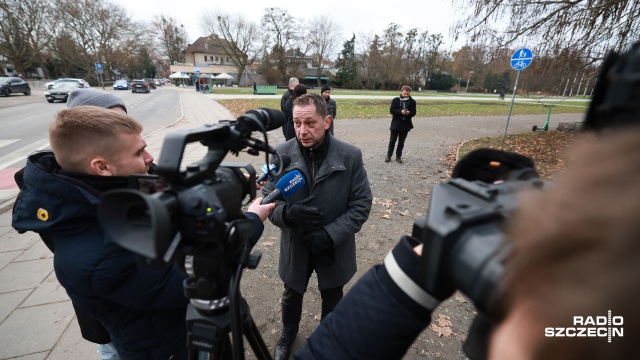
{"x":205,"y":58}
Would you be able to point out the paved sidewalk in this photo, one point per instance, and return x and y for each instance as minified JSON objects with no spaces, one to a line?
{"x":37,"y":320}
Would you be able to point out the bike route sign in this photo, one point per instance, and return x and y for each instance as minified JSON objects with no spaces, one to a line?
{"x":521,"y":59}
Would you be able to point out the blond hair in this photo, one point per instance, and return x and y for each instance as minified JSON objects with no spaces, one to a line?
{"x":79,"y":134}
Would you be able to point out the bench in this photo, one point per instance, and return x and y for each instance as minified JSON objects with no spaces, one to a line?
{"x":265,"y":90}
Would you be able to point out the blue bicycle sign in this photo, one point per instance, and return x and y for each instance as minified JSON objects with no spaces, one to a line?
{"x":521,"y":59}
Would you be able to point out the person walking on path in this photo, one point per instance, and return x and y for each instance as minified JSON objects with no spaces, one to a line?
{"x":403,"y":108}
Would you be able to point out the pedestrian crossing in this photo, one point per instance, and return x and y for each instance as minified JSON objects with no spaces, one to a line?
{"x":16,"y":156}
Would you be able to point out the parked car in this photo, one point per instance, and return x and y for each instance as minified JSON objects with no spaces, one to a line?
{"x":150,"y":82}
{"x":13,"y":85}
{"x":140,"y":86}
{"x":61,"y":90}
{"x":121,"y":85}
{"x":158,"y":82}
{"x":84,"y":83}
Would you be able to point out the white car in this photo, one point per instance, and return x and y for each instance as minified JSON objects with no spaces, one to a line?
{"x":81,"y":81}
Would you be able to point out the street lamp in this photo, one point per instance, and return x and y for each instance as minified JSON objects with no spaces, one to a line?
{"x":469,"y":78}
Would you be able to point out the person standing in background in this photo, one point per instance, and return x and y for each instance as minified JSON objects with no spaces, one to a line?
{"x":283,"y":100}
{"x":331,"y":105}
{"x":403,"y":108}
{"x":298,"y":91}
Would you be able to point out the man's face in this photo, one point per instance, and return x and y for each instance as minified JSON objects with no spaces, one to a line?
{"x":405,"y":93}
{"x":293,"y":85}
{"x":132,"y":157}
{"x":309,"y":126}
{"x":326,"y":94}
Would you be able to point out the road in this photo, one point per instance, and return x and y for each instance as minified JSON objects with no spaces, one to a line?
{"x":25,"y":119}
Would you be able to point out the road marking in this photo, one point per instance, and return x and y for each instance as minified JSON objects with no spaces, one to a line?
{"x":23,"y":153}
{"x":7,"y":142}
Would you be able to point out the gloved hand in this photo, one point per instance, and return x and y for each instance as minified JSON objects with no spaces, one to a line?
{"x":403,"y":266}
{"x":302,"y":215}
{"x":318,"y":241}
{"x":321,"y":244}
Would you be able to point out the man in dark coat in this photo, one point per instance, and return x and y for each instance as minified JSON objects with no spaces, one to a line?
{"x":97,"y":150}
{"x":403,"y":108}
{"x":319,"y":222}
{"x":331,"y":105}
{"x":283,"y":100}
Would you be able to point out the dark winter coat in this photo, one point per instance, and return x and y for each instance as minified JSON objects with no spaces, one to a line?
{"x":400,"y":122}
{"x":143,"y":309}
{"x":332,"y":110}
{"x":375,"y":320}
{"x":341,"y":191}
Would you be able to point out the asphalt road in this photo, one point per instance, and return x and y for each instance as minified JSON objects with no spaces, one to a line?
{"x":25,"y":120}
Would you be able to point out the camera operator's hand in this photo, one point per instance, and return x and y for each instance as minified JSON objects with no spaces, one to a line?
{"x":403,"y":266}
{"x":302,"y":215}
{"x":261,"y":210}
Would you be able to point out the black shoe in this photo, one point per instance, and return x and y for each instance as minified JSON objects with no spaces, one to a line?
{"x":399,"y":160}
{"x":387,"y":159}
{"x":283,"y":348}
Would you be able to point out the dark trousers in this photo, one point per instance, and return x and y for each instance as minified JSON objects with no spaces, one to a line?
{"x":292,"y":304}
{"x":401,"y":136}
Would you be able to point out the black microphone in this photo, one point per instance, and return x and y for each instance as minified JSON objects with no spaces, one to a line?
{"x":263,"y":118}
{"x":287,"y":185}
{"x":268,"y":173}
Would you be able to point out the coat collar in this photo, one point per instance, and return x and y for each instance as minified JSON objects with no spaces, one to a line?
{"x":333,"y":161}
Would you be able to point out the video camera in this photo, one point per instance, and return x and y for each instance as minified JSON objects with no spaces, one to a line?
{"x":463,"y":234}
{"x":197,"y":219}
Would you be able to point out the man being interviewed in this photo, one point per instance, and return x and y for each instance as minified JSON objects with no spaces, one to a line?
{"x":319,"y":222}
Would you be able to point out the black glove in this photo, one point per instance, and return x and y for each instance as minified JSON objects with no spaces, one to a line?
{"x":302,"y":215}
{"x":321,"y":244}
{"x":318,"y":241}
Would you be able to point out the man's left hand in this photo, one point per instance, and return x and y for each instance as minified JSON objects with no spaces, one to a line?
{"x":317,"y":240}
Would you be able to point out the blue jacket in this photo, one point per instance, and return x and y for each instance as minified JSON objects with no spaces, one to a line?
{"x":143,"y":309}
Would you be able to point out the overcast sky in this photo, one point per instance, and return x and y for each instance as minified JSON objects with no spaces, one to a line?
{"x":435,"y":16}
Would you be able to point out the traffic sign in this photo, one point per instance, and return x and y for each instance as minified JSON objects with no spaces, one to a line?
{"x":196,"y":70}
{"x":98,"y":66}
{"x":521,"y":59}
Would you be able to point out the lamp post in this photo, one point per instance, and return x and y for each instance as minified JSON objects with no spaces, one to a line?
{"x":469,"y":78}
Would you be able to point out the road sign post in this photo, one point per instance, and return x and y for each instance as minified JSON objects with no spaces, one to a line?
{"x":519,"y":61}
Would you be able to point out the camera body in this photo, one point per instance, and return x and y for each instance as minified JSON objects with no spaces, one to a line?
{"x":463,"y":236}
{"x":197,"y":218}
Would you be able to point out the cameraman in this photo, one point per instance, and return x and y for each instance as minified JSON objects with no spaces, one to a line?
{"x":580,"y":257}
{"x":95,"y":150}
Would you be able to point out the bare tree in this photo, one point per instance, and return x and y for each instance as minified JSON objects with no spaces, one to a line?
{"x":100,"y":28}
{"x":588,"y":27}
{"x":324,"y":37}
{"x":239,"y":38}
{"x":22,"y":31}
{"x":288,"y":41}
{"x":171,"y":36}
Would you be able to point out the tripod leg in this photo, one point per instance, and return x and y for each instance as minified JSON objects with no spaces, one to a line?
{"x":252,"y":334}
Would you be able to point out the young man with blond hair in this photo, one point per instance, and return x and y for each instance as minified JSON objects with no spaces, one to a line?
{"x":96,"y":150}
